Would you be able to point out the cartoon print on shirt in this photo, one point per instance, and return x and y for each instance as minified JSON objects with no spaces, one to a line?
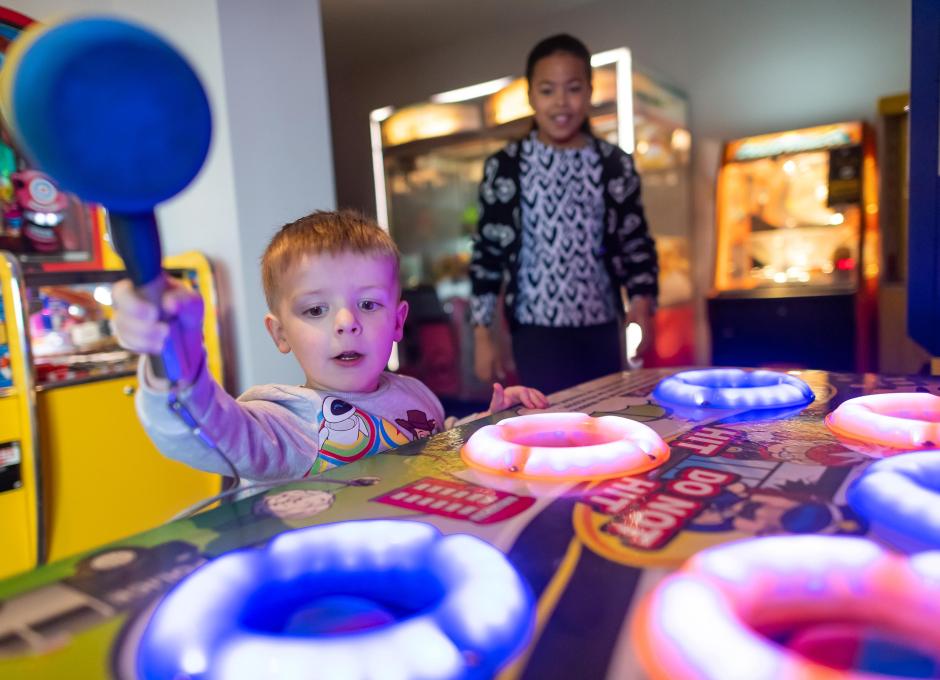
{"x":417,"y":424}
{"x":348,"y":433}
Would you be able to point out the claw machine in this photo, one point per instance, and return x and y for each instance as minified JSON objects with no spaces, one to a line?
{"x":796,"y":270}
{"x":428,"y":161}
{"x":76,"y":468}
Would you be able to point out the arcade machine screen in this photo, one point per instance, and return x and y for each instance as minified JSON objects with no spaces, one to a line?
{"x":71,"y":336}
{"x":796,"y":234}
{"x":70,"y":329}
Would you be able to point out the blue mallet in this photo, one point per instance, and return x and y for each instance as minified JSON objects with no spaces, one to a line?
{"x":116,"y":116}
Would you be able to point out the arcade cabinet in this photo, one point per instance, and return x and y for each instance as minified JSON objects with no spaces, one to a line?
{"x":923,"y":299}
{"x":796,"y":267}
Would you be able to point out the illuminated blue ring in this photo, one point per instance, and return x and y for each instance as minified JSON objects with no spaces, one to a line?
{"x":734,"y":388}
{"x":902,"y":494}
{"x":473,"y":611}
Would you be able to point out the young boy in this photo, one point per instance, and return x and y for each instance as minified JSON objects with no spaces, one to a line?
{"x":331,"y":284}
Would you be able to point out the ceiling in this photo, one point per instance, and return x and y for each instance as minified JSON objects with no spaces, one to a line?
{"x":359,"y":31}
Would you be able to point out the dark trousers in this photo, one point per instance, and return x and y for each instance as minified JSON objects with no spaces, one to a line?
{"x":551,"y":359}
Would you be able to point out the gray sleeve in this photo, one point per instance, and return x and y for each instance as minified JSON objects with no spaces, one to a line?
{"x":262,"y":439}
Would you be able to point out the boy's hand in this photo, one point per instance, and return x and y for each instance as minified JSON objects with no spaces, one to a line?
{"x":504,"y":397}
{"x":141,"y":328}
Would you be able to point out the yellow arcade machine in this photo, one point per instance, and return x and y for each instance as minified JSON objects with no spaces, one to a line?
{"x":19,"y":488}
{"x":76,"y":467}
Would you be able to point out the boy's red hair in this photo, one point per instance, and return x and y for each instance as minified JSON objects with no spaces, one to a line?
{"x":322,"y":232}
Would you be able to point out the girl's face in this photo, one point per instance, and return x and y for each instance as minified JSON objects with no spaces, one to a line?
{"x":560,"y":95}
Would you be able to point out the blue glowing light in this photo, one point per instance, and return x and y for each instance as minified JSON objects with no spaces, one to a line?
{"x":902,"y":494}
{"x":733,"y":388}
{"x":462,"y":610}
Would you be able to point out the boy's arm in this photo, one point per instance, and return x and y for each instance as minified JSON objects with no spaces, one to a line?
{"x":262,"y":439}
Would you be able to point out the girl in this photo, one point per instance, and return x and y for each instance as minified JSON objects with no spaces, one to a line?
{"x":561,"y":213}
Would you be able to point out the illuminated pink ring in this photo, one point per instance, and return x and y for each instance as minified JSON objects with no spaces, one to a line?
{"x":700,"y":622}
{"x":904,"y":420}
{"x":570,"y":446}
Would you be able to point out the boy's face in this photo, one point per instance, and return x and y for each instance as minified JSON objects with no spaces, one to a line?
{"x":339,"y":315}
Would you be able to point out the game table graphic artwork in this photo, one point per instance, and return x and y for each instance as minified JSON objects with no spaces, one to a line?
{"x":589,"y":551}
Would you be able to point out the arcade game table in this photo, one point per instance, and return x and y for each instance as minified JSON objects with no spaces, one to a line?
{"x":589,"y":551}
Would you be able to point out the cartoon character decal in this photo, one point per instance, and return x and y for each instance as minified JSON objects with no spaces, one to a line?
{"x":293,"y":504}
{"x":639,"y":408}
{"x":417,"y":424}
{"x":792,"y":508}
{"x":800,"y":443}
{"x":348,"y":433}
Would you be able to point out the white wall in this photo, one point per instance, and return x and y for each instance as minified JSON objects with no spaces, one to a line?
{"x":275,"y":83}
{"x":270,"y":160}
{"x":747,"y":66}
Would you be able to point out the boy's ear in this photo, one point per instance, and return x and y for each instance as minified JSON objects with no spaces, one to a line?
{"x":276,"y":331}
{"x":401,"y":313}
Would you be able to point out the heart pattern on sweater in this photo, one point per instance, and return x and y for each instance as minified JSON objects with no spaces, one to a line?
{"x":562,"y":278}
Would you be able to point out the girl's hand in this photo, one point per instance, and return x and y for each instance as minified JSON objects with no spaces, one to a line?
{"x":641,"y":313}
{"x":504,"y":397}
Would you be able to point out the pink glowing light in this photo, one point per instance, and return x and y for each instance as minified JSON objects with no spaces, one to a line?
{"x":565,"y":446}
{"x":701,"y":622}
{"x":902,"y":420}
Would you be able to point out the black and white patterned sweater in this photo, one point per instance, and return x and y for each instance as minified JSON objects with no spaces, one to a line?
{"x":568,"y":227}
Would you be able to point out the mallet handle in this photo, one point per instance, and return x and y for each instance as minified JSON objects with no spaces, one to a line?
{"x":137,"y":240}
